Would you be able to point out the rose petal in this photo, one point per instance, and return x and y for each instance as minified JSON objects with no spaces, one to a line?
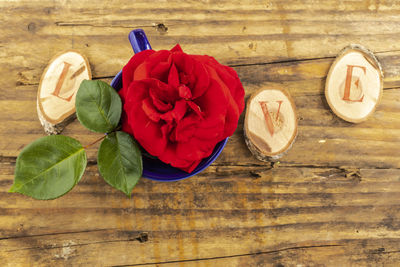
{"x":192,"y":166}
{"x":173,"y":77}
{"x":196,"y":109}
{"x":176,"y":48}
{"x":142,"y":72}
{"x":159,"y":56}
{"x":163,"y":91}
{"x":211,"y":129}
{"x":177,"y":113}
{"x":179,"y":110}
{"x":228,"y":76}
{"x":183,"y":62}
{"x":202,"y":80}
{"x":232,"y":110}
{"x":167,"y":117}
{"x":158,"y":103}
{"x":184,"y":92}
{"x":129,"y":69}
{"x":137,"y":91}
{"x":185,"y":129}
{"x":160,"y":71}
{"x":150,"y":110}
{"x":167,"y":130}
{"x":184,"y":78}
{"x":232,"y":81}
{"x":170,"y":157}
{"x":196,"y":150}
{"x":126,"y":127}
{"x":214,"y":101}
{"x":158,"y":65}
{"x":235,"y":98}
{"x":146,"y":132}
{"x":133,"y":63}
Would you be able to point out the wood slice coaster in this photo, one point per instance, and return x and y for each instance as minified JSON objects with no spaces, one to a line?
{"x":57,"y":90}
{"x":354,"y":84}
{"x":270,"y":126}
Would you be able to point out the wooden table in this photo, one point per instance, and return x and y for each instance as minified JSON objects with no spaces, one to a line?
{"x":333,"y":200}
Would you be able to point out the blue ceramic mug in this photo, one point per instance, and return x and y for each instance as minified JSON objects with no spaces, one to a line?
{"x":153,"y":168}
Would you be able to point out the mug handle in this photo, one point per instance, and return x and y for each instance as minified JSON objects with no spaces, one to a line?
{"x":138,"y":40}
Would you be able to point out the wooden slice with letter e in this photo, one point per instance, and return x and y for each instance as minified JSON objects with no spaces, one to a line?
{"x":57,"y":89}
{"x":354,"y":84}
{"x":270,"y":126}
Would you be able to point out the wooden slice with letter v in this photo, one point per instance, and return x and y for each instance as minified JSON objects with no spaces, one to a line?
{"x":57,"y":89}
{"x":354,"y":84}
{"x":270,"y":126}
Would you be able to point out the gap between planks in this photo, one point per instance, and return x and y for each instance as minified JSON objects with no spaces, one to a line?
{"x":61,"y":233}
{"x":249,"y":65}
{"x":263,"y":166}
{"x":230,"y":256}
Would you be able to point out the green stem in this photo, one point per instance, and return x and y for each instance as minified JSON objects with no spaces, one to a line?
{"x":98,"y":140}
{"x":101,"y":138}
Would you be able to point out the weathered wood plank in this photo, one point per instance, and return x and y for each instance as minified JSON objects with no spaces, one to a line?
{"x":324,"y":203}
{"x":350,"y":252}
{"x":228,"y":210}
{"x":233,"y":32}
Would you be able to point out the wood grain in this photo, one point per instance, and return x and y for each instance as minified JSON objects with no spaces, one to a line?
{"x":57,"y":90}
{"x":261,"y":213}
{"x":333,"y":200}
{"x":353,"y":97}
{"x":270,"y":123}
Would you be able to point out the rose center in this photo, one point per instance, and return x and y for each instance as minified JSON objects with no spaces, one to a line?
{"x":184,"y":92}
{"x":184,"y":78}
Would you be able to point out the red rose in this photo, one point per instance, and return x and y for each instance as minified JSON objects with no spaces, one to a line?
{"x":179,"y":106}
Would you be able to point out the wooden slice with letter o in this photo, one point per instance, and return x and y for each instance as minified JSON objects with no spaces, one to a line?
{"x":57,"y":89}
{"x":270,"y":126}
{"x":354,"y":84}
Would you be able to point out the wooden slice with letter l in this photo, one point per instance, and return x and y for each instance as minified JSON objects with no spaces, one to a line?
{"x":354,"y":84}
{"x":270,"y":125}
{"x":57,"y":89}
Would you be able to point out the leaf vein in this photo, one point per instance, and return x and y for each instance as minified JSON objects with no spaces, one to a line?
{"x":101,"y":111}
{"x":51,"y":167}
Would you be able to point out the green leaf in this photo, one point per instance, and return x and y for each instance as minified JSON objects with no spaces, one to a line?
{"x":49,"y":167}
{"x":98,"y":106}
{"x":120,"y":161}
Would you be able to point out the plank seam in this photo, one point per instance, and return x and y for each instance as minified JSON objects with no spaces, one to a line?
{"x":61,"y":233}
{"x":230,"y":256}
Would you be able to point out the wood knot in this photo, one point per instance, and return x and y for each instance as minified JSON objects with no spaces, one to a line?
{"x":32,"y":27}
{"x":255,"y":174}
{"x":353,"y":174}
{"x":48,"y":10}
{"x":161,"y":28}
{"x":143,"y":237}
